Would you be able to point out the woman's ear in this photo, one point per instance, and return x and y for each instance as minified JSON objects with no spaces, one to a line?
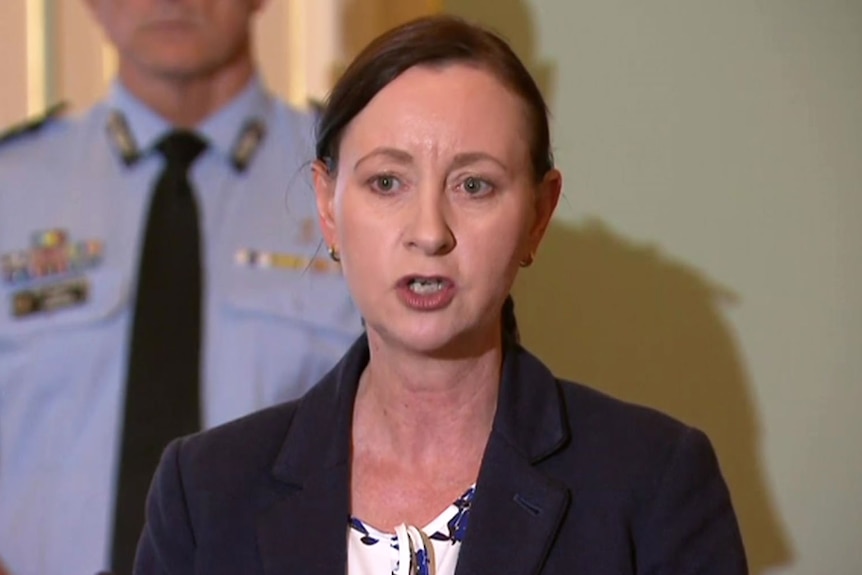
{"x":324,"y":190}
{"x":547,"y":197}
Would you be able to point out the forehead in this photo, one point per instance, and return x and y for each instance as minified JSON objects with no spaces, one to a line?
{"x":443,"y":110}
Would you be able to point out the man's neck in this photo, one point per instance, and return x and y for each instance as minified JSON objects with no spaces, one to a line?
{"x":186,"y":102}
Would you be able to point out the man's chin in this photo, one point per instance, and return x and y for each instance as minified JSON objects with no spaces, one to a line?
{"x":180,"y":69}
{"x":173,"y":59}
{"x":181,"y":66}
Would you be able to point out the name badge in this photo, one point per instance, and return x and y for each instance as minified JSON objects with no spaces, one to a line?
{"x":50,"y":298}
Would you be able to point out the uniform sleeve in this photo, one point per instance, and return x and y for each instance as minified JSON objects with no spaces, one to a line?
{"x":690,"y":525}
{"x":167,"y":544}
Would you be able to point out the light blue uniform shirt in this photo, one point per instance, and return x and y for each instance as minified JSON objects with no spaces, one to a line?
{"x":270,"y":331}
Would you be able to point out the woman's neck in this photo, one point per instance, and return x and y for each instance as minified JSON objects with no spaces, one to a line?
{"x":420,"y":427}
{"x":421,"y":409}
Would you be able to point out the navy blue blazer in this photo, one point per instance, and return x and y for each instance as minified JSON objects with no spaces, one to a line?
{"x":572,"y":482}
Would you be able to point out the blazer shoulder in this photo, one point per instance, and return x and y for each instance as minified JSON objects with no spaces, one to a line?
{"x":591,"y":407}
{"x":619,"y":439}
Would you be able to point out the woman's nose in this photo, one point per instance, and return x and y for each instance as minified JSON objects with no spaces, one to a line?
{"x":430,"y":231}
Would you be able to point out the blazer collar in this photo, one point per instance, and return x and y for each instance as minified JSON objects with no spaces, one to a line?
{"x":515,"y":513}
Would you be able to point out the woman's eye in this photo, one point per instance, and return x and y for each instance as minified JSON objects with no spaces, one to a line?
{"x":475,"y":186}
{"x":385,"y":183}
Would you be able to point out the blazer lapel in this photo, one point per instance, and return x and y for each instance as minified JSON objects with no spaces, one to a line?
{"x":514,"y":517}
{"x":518,"y":509}
{"x":306,"y":532}
{"x":302,"y":523}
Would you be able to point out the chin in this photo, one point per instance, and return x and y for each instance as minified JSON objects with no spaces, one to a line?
{"x":447,"y":341}
{"x":177,"y":58}
{"x":179,"y":65}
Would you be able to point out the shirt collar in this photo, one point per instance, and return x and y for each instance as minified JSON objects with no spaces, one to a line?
{"x":221,"y":130}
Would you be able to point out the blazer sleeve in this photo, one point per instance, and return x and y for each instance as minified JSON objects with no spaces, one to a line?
{"x":167,"y":544}
{"x":690,"y":525}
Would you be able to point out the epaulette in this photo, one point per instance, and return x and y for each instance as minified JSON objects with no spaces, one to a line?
{"x":32,"y":125}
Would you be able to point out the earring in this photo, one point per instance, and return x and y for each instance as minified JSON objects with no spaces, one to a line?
{"x":527,"y":261}
{"x":333,"y":254}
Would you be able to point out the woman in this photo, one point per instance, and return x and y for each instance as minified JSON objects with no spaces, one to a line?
{"x":438,"y":443}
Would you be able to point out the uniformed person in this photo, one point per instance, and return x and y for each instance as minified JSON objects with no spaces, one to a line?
{"x":74,"y":200}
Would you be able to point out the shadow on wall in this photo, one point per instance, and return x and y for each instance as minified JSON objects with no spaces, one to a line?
{"x":631,"y":322}
{"x":628,"y":321}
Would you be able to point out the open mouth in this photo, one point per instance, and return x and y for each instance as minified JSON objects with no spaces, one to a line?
{"x":425,"y":286}
{"x":426,"y":293}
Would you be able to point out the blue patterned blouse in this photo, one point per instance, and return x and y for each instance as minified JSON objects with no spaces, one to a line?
{"x":432,"y":550}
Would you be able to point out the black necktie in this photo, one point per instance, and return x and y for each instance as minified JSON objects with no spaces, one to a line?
{"x":162,"y":388}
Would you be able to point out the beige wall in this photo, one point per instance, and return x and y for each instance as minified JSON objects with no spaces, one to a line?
{"x":707,"y":258}
{"x":50,"y":50}
{"x":13,"y":61}
{"x":298,"y":43}
{"x":301,"y":44}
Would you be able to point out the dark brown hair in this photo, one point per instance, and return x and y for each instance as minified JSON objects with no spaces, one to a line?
{"x":431,"y":41}
{"x":434,"y":41}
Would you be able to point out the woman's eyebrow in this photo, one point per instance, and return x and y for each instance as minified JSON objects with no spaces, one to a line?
{"x":395,"y":154}
{"x":467,"y":158}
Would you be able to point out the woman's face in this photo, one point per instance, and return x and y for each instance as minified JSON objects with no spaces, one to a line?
{"x":432,"y":207}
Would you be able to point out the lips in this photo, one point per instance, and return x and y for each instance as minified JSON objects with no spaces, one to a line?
{"x":426,"y":292}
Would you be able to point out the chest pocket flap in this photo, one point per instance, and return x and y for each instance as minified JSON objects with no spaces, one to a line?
{"x":61,"y":304}
{"x":312,"y":294}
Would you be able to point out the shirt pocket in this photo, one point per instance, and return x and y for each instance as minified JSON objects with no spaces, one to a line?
{"x":277,"y":331}
{"x":318,"y":300}
{"x":106,"y":293}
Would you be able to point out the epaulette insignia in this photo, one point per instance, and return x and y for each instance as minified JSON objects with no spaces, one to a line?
{"x":33,"y":124}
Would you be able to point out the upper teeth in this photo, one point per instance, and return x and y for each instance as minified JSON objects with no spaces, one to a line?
{"x":425,"y":286}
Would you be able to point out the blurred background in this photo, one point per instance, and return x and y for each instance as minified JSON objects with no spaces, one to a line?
{"x":707,"y":256}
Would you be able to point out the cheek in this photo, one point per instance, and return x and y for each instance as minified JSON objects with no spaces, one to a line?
{"x":230,"y":20}
{"x":230,"y":30}
{"x":493,"y":239}
{"x":117,"y":23}
{"x":491,"y":262}
{"x":365,"y":262}
{"x":361,"y":234}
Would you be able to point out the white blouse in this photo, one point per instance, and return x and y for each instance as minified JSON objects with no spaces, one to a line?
{"x":432,"y":550}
